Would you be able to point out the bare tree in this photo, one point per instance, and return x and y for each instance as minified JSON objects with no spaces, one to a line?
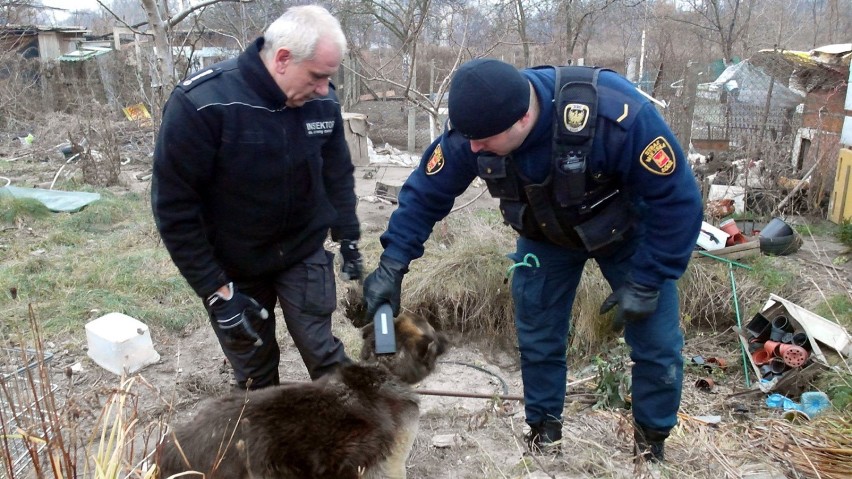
{"x":403,"y":20}
{"x":24,"y":12}
{"x":577,"y":16}
{"x":724,"y":22}
{"x":165,"y":60}
{"x":160,"y":21}
{"x":521,"y":20}
{"x":391,"y":60}
{"x":240,"y":22}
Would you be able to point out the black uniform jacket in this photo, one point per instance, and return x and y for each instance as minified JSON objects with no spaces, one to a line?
{"x":244,"y":186}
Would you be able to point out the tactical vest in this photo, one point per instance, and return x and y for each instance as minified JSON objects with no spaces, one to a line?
{"x":572,"y":207}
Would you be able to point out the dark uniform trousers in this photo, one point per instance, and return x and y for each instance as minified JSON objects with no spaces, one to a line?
{"x":307,"y":296}
{"x":544,"y":297}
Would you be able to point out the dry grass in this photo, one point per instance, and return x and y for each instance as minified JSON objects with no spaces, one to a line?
{"x":598,"y":444}
{"x":31,"y":419}
{"x":460,"y":285}
{"x":116,"y":440}
{"x":818,"y":449}
{"x":52,"y":435}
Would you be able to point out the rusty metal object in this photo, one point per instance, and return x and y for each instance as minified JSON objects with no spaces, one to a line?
{"x":705,"y":384}
{"x":720,"y":362}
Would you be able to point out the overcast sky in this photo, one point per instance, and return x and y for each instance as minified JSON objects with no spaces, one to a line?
{"x":72,"y":4}
{"x":57,"y":16}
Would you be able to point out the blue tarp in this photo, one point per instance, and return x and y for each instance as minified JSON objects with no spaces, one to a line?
{"x":54,"y":200}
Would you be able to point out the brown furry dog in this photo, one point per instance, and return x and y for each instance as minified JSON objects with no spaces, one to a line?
{"x":359,"y":422}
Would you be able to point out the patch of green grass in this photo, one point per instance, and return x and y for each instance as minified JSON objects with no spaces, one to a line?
{"x":767,"y":273}
{"x":837,"y":308}
{"x":837,"y":384}
{"x":717,"y":373}
{"x":816,"y":228}
{"x":74,"y":267}
{"x":12,"y":209}
{"x":100,"y":216}
{"x":614,"y":379}
{"x":489,"y":215}
{"x":65,"y":237}
{"x":844,"y":233}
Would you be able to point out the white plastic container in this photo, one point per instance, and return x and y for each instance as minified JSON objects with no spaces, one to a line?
{"x":711,"y":238}
{"x":120,"y":344}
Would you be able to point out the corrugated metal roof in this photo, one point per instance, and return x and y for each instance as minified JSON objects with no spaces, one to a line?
{"x":84,"y":54}
{"x":830,"y":56}
{"x":823,"y":67}
{"x":31,"y":29}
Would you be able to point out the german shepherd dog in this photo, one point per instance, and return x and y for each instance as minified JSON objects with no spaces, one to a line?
{"x":358,"y":422}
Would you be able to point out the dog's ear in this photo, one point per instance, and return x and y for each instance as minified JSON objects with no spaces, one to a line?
{"x":428,"y":345}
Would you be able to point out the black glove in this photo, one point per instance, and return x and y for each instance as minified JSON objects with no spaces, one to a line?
{"x":234,"y":314}
{"x":634,"y":302}
{"x":384,"y":285}
{"x":352,"y":268}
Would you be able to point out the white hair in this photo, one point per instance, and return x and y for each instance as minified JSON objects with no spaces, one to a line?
{"x":299,"y":29}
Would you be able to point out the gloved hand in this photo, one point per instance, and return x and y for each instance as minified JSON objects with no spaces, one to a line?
{"x":384,"y":285}
{"x":352,"y":268}
{"x":233,"y":314}
{"x":635,"y":302}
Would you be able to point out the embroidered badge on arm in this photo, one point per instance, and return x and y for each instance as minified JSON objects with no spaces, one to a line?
{"x":436,"y":161}
{"x":658,"y":157}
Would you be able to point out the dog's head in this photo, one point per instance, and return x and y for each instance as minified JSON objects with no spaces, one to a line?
{"x":418,"y":346}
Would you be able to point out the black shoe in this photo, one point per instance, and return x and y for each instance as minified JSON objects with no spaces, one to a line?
{"x":649,"y":444}
{"x":545,"y":437}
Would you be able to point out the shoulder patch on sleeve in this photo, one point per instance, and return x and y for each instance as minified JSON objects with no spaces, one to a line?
{"x":436,"y":161}
{"x":618,"y":101}
{"x":200,"y":77}
{"x":658,"y":157}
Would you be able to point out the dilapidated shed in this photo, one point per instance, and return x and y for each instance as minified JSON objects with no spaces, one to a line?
{"x":43,"y":42}
{"x":742,"y":104}
{"x":820,"y":75}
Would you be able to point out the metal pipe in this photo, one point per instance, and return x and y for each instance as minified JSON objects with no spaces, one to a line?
{"x":504,"y":397}
{"x":724,"y":260}
{"x":739,"y":321}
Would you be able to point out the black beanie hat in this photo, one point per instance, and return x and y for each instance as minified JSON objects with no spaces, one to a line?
{"x":486,"y":97}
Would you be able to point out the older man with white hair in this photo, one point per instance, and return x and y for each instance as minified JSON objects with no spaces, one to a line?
{"x":251,"y":172}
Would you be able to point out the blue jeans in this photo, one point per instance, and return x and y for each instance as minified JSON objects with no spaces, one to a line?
{"x":544,"y":296}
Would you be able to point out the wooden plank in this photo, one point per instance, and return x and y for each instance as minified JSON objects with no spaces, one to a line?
{"x":737,"y":251}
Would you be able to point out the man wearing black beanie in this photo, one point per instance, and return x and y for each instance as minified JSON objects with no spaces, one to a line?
{"x":592,"y":172}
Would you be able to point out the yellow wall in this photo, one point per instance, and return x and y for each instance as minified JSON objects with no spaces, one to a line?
{"x":840,"y":207}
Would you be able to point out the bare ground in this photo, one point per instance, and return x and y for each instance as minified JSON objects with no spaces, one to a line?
{"x":482,"y":438}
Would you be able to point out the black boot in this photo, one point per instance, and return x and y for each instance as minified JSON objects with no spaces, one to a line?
{"x":545,"y":437}
{"x":649,"y":444}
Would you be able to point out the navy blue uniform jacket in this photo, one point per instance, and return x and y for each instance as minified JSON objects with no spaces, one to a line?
{"x":244,"y":186}
{"x":632,"y":144}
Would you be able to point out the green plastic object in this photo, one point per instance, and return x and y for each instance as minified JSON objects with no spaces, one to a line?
{"x":54,"y":200}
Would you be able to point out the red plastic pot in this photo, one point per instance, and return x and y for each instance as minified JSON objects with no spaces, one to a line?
{"x":761,"y":357}
{"x":771,"y":347}
{"x":794,"y":356}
